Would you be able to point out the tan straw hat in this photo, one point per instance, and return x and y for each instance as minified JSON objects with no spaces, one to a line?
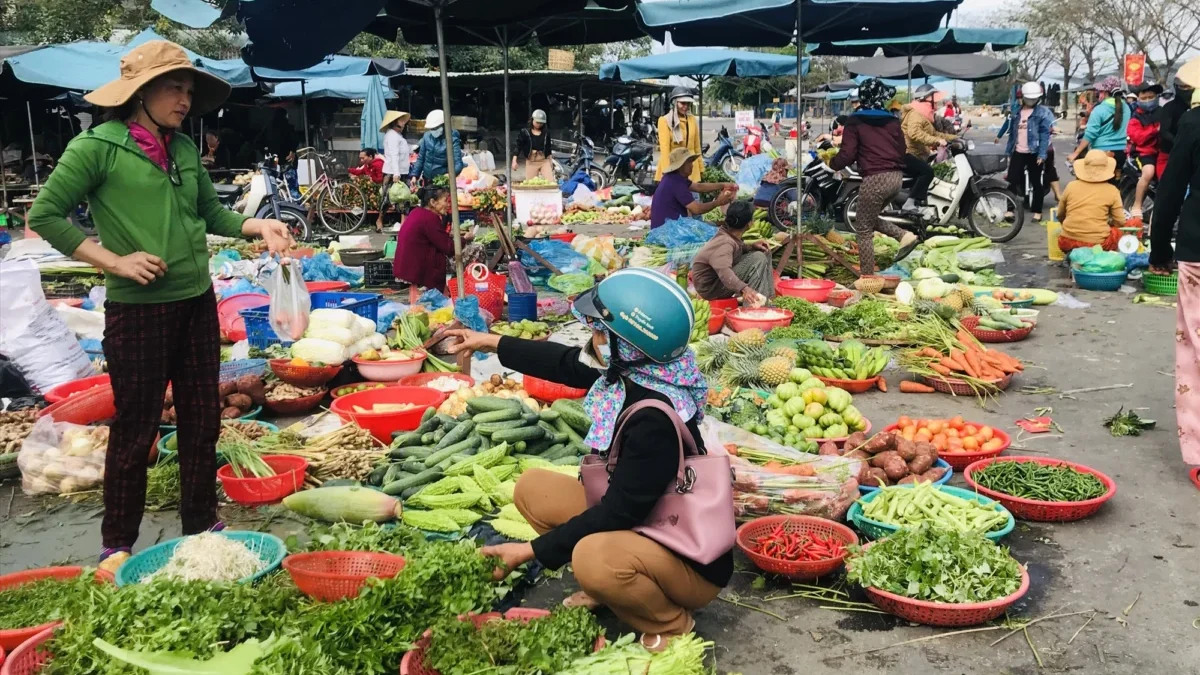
{"x":391,"y":117}
{"x":150,"y":60}
{"x":1095,"y":167}
{"x":1189,"y":73}
{"x":677,"y":157}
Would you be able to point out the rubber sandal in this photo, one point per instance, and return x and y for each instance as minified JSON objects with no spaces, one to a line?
{"x":1194,"y":474}
{"x":111,"y":559}
{"x":581,"y":599}
{"x":907,"y":250}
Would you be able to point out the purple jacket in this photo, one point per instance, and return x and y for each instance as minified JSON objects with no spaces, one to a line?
{"x":422,"y":249}
{"x":874,"y":140}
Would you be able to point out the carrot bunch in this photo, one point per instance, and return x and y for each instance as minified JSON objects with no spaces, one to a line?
{"x":965,"y":359}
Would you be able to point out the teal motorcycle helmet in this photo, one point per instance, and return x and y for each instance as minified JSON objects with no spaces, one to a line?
{"x":647,"y":309}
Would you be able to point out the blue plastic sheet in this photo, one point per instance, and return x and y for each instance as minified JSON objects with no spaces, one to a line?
{"x":580,"y":177}
{"x":1137,"y":261}
{"x":321,"y":267}
{"x":240,"y":286}
{"x":557,"y":253}
{"x":1096,"y":259}
{"x":466,"y":310}
{"x":388,"y":311}
{"x":681,"y":232}
{"x":753,"y":169}
{"x":433,"y":299}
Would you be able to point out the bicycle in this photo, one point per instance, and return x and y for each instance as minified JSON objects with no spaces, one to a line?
{"x":339,"y":206}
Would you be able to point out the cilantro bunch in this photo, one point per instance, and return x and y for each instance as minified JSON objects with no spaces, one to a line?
{"x":543,"y":645}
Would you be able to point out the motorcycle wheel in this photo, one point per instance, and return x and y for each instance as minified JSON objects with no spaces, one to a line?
{"x":293,"y":216}
{"x":849,"y":213}
{"x":731,"y":165}
{"x":84,"y":223}
{"x":600,"y":178}
{"x":340,"y":208}
{"x":560,"y":174}
{"x":783,"y":206}
{"x":985,"y":215}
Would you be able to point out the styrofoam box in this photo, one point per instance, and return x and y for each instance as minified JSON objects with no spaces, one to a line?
{"x":526,"y":200}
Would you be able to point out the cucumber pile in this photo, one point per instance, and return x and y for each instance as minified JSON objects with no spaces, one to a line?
{"x":443,"y":444}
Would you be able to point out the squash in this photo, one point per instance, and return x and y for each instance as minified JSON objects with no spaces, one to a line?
{"x":348,"y":504}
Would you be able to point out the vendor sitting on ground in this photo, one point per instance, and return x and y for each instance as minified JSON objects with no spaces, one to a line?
{"x":726,"y":267}
{"x":676,"y":196}
{"x":1090,"y":208}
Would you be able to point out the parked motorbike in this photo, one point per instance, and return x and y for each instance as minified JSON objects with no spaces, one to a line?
{"x":262,"y":199}
{"x":633,"y":161}
{"x":752,"y":143}
{"x":725,"y":156}
{"x":583,"y":157}
{"x":1130,"y":174}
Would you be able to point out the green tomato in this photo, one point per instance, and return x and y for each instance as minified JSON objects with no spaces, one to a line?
{"x":774,"y":401}
{"x":803,"y":421}
{"x":760,"y":429}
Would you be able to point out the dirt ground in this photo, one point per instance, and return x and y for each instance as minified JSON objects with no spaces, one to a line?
{"x":1131,"y":570}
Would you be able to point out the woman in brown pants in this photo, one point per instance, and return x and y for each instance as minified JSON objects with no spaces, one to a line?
{"x":645,"y":584}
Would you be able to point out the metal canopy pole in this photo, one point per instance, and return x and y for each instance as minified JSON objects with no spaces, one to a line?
{"x":581,"y":108}
{"x":304,"y":111}
{"x":910,"y":91}
{"x":508,"y":151}
{"x":799,"y":97}
{"x":37,"y":181}
{"x":700,"y":111}
{"x":448,"y":136}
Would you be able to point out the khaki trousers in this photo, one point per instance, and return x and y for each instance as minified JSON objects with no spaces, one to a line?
{"x":643,"y":583}
{"x":539,"y":167}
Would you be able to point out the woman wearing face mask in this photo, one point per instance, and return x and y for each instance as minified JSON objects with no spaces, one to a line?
{"x":640,"y":321}
{"x":678,"y":129}
{"x":1028,"y":130}
{"x":1143,"y":131}
{"x":153,"y":204}
{"x":922,"y":139}
{"x":423,"y":248}
{"x":431,"y":152}
{"x":1107,"y":124}
{"x":533,"y":144}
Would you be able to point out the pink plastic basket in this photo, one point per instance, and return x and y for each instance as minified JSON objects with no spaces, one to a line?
{"x":30,"y":656}
{"x":944,"y":613}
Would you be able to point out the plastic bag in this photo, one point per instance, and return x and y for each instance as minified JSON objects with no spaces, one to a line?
{"x":321,"y":267}
{"x":572,"y":284}
{"x":980,"y":260}
{"x":602,"y":249}
{"x":1096,"y":259}
{"x":681,"y":232}
{"x":62,"y":458}
{"x":33,"y":334}
{"x":433,"y":299}
{"x":583,"y":195}
{"x":518,"y":278}
{"x":290,"y":303}
{"x":819,"y":485}
{"x":553,"y":307}
{"x":557,"y":253}
{"x":752,"y":171}
{"x":580,"y":177}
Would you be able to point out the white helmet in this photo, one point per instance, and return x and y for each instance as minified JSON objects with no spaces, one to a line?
{"x":539,"y":116}
{"x":1031,"y":90}
{"x":434,"y":120}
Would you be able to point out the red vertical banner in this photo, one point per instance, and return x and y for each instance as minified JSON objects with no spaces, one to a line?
{"x":1135,"y":69}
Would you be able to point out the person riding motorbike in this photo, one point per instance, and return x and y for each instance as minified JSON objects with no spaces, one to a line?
{"x":1107,"y":123}
{"x":916,"y":121}
{"x":678,"y":129}
{"x":1143,"y":133}
{"x":1168,"y":122}
{"x":1028,"y":128}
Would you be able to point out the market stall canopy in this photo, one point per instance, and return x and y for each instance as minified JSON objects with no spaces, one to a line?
{"x":538,"y":81}
{"x":772,"y":23}
{"x":702,"y":62}
{"x":969,"y":67}
{"x":591,"y":24}
{"x":351,"y":87}
{"x":336,"y":66}
{"x":940,"y":41}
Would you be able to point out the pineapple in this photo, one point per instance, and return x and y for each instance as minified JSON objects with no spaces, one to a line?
{"x":741,"y":372}
{"x":953,"y":301}
{"x":751,"y":338}
{"x":835,"y":237}
{"x":784,"y":352}
{"x":711,"y":355}
{"x":774,"y":370}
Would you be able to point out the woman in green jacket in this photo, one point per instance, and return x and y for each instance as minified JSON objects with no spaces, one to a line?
{"x":153,"y":203}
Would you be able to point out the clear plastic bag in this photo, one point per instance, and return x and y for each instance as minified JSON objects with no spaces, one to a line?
{"x":290,"y":303}
{"x":557,"y":253}
{"x":980,"y":260}
{"x":61,"y":458}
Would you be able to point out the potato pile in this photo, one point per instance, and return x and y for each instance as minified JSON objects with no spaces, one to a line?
{"x":238,"y":397}
{"x":892,"y":459}
{"x":14,"y":427}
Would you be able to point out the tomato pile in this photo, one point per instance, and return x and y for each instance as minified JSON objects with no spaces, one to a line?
{"x":950,"y":436}
{"x":795,"y":547}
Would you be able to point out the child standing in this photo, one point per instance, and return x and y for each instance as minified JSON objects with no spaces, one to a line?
{"x":1143,"y":144}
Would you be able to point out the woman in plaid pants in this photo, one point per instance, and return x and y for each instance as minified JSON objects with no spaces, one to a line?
{"x":153,"y":204}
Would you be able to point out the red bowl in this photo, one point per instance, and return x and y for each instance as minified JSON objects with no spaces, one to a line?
{"x":1037,"y":510}
{"x":12,"y":638}
{"x":840,"y":298}
{"x":813,"y":290}
{"x":724,"y":303}
{"x":716,"y":321}
{"x":852,"y":386}
{"x":251,"y":491}
{"x":303,"y":376}
{"x":946,"y":613}
{"x":233,"y":325}
{"x":959,"y":461}
{"x":68,"y":389}
{"x":752,"y":530}
{"x":382,"y":424}
{"x":375,"y":385}
{"x":423,"y":379}
{"x":337,"y":575}
{"x":738,"y":321}
{"x":295,"y":406}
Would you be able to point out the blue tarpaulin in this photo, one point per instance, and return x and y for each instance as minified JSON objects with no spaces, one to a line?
{"x":351,"y":87}
{"x":940,"y":41}
{"x":697,"y":62}
{"x":338,"y":66}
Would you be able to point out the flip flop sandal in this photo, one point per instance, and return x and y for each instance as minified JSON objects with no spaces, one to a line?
{"x":1194,"y":474}
{"x":905,"y":251}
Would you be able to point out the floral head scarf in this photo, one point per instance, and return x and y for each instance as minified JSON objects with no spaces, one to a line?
{"x":874,"y":94}
{"x":1109,"y":84}
{"x":679,"y":380}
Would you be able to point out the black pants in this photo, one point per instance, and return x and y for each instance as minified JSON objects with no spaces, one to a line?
{"x":1024,"y":165}
{"x":915,"y":166}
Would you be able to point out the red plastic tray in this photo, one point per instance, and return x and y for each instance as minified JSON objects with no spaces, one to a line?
{"x":1036,"y":510}
{"x":66,"y":390}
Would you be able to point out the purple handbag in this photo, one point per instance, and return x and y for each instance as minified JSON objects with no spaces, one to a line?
{"x":694,"y":517}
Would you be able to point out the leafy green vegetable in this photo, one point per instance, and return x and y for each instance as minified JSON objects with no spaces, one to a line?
{"x":46,"y":600}
{"x":683,"y":656}
{"x":544,"y":645}
{"x":865,"y":319}
{"x":237,"y":661}
{"x":370,"y":536}
{"x":805,"y":314}
{"x":1127,"y":423}
{"x":928,"y":563}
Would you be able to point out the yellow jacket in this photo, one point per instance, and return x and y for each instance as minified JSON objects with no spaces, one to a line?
{"x":666,"y":143}
{"x":919,"y":134}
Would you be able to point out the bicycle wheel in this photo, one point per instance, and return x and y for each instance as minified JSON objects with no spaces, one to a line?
{"x":340,"y":208}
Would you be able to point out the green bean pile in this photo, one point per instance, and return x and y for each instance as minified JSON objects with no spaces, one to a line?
{"x":1031,"y":480}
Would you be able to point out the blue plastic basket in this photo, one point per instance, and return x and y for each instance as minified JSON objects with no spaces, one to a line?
{"x":1099,"y":281}
{"x":941,"y":463}
{"x":232,"y":370}
{"x":877,"y":530}
{"x":258,"y":329}
{"x":164,"y":453}
{"x":269,"y":548}
{"x":363,"y":304}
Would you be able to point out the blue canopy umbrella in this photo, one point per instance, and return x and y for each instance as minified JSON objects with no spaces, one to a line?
{"x":373,"y":110}
{"x":701,"y":64}
{"x":969,"y":67}
{"x":351,"y":87}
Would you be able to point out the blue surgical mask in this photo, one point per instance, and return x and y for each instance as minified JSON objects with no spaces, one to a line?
{"x":437,"y":133}
{"x":1148,"y":106}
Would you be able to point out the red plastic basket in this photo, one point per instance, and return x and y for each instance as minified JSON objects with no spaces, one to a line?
{"x":945,"y":613}
{"x":961,"y":388}
{"x":839,"y":298}
{"x":489,"y":290}
{"x":738,"y":320}
{"x":971,"y":323}
{"x":544,"y":390}
{"x":959,"y":461}
{"x":716,"y":321}
{"x":295,"y":406}
{"x":423,"y":379}
{"x":852,"y":386}
{"x":12,"y":638}
{"x":337,"y":575}
{"x":233,"y":325}
{"x":813,"y":290}
{"x":566,"y":237}
{"x":326,"y":286}
{"x":751,"y":531}
{"x":303,"y":376}
{"x":382,"y":424}
{"x":413,"y":662}
{"x":66,"y":390}
{"x":1,"y":657}
{"x":29,"y":657}
{"x":724,"y":303}
{"x":85,"y":408}
{"x":250,"y":491}
{"x":1037,"y":510}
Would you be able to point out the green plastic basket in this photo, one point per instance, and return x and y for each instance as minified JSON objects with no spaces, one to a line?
{"x":1158,"y":284}
{"x":269,"y":548}
{"x":874,"y":529}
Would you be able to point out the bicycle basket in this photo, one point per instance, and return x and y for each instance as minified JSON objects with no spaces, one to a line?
{"x":986,"y":165}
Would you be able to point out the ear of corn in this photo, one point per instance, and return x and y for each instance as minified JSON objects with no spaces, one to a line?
{"x":431,"y":521}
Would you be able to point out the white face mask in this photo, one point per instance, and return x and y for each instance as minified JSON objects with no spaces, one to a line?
{"x":437,"y":133}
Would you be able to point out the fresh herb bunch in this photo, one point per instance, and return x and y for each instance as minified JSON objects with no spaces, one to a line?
{"x":163,"y":485}
{"x":805,"y":314}
{"x":684,"y":655}
{"x":543,"y":645}
{"x":938,"y":565}
{"x":1047,"y":483}
{"x":274,"y":351}
{"x":866,"y":319}
{"x":369,"y":536}
{"x":1127,"y":423}
{"x":792,"y":332}
{"x":46,"y":600}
